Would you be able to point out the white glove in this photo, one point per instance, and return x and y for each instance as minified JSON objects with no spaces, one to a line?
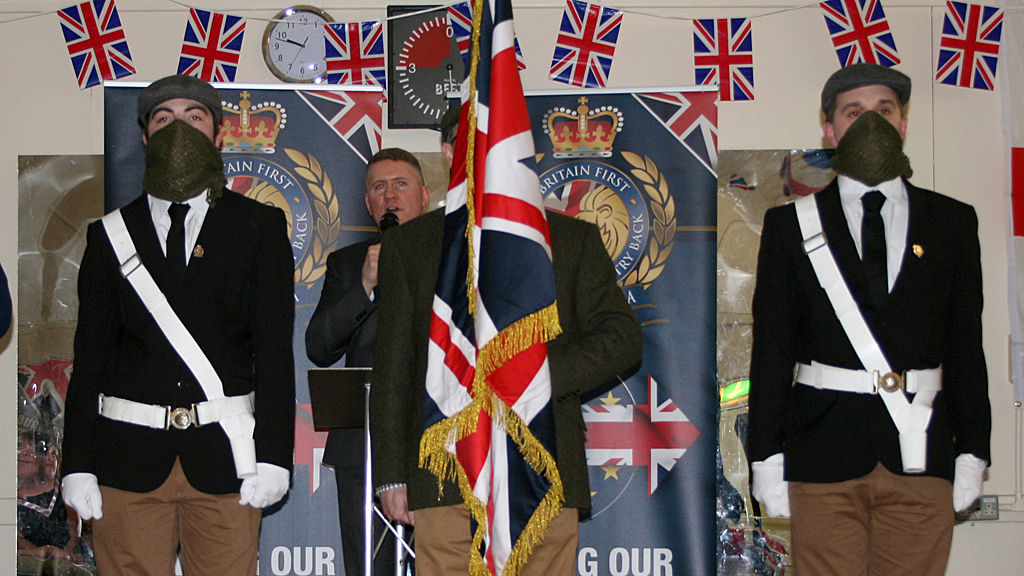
{"x":967,"y":478}
{"x":82,"y":492}
{"x":265,"y":488}
{"x":769,"y":486}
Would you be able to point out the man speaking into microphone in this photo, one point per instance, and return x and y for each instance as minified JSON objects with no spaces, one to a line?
{"x":344,"y":326}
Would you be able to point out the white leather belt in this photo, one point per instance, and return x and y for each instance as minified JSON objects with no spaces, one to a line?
{"x":823,"y":376}
{"x":167,"y":417}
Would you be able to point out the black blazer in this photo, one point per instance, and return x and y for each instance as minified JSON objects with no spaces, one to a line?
{"x":931,"y":317}
{"x":600,"y":339}
{"x":237,"y":300}
{"x":344,"y":324}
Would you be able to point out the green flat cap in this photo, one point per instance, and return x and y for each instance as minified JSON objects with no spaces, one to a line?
{"x":857,"y":75}
{"x":179,"y":86}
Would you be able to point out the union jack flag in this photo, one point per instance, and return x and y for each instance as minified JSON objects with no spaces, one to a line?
{"x":969,"y":48}
{"x":460,"y":18}
{"x":354,"y":114}
{"x":212,"y":45}
{"x":585,"y":45}
{"x":692,"y":117}
{"x":96,"y":42}
{"x":653,"y":435}
{"x":860,"y":32}
{"x":723,"y":54}
{"x":355,"y":53}
{"x":488,"y":383}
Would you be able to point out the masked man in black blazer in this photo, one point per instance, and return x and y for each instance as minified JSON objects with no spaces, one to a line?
{"x":345,"y":324}
{"x":886,"y":428}
{"x":162,"y":449}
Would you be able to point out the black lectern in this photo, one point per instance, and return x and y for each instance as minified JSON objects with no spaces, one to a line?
{"x":340,"y":398}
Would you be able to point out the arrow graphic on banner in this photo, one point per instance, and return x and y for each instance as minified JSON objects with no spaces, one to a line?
{"x":653,"y":435}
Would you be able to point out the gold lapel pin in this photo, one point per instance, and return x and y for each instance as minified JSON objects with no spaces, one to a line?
{"x":918,"y":250}
{"x":198,"y":251}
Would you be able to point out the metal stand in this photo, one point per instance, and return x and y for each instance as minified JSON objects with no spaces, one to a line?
{"x":403,"y":552}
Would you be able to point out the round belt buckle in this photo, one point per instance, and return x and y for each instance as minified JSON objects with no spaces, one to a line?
{"x":181,"y":418}
{"x":891,"y":382}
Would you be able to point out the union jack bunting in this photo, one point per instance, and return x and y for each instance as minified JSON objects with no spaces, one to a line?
{"x":585,"y":45}
{"x":212,"y":45}
{"x":460,"y":18}
{"x":96,"y":42}
{"x":860,"y":32}
{"x":723,"y":54}
{"x":969,"y":48}
{"x":355,"y":53}
{"x":488,"y":422}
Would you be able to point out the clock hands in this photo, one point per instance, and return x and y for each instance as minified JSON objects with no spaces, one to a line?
{"x":301,"y":47}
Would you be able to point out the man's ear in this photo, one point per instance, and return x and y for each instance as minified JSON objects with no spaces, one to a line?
{"x":830,"y":133}
{"x":448,"y":150}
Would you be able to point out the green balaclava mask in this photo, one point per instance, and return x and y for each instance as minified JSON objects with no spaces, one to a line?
{"x":871,"y":151}
{"x":181,"y":162}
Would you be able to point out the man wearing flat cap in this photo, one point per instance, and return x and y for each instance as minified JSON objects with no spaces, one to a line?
{"x":869,"y":292}
{"x":179,"y":421}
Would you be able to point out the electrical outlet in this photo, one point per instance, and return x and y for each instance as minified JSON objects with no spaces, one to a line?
{"x":987,"y":509}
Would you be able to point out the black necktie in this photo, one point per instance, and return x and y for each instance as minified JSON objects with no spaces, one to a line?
{"x":873,"y":248}
{"x":176,"y":242}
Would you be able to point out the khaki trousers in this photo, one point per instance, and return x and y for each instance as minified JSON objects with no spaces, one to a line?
{"x":882,"y":524}
{"x":140,"y":532}
{"x":443,"y":540}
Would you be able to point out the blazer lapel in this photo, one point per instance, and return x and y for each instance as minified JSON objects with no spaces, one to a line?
{"x":139,"y":221}
{"x":213,"y":236}
{"x":837,"y":231}
{"x":916,"y":228}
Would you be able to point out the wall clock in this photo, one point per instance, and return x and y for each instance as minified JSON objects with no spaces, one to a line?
{"x":293,"y":44}
{"x":425,"y":69}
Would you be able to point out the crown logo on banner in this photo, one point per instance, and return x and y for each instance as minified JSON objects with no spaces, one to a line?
{"x":582,"y":133}
{"x":252,"y":129}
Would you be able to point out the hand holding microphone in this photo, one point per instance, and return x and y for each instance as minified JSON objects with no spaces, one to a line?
{"x":369,"y":273}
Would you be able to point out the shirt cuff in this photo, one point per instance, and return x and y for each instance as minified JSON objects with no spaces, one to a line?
{"x":386,"y":487}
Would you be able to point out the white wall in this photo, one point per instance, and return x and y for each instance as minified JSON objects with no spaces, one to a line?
{"x":955,"y":143}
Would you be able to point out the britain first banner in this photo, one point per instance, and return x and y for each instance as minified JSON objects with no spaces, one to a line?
{"x":304,"y":151}
{"x":641,"y":166}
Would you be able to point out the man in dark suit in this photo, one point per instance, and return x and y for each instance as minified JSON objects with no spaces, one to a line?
{"x":600,"y":340}
{"x":852,"y":449}
{"x":345,"y":324}
{"x":166,"y":461}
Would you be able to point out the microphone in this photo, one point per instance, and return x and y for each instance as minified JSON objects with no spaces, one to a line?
{"x":388,"y":221}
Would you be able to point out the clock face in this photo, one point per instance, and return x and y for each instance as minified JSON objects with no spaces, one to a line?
{"x":425,"y":68}
{"x":293,"y":44}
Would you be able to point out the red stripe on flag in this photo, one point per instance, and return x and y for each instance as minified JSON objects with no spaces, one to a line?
{"x":1017,"y":190}
{"x":472,"y":451}
{"x":454,"y":359}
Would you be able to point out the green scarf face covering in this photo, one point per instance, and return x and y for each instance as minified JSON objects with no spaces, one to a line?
{"x":871,"y":151}
{"x":181,"y":162}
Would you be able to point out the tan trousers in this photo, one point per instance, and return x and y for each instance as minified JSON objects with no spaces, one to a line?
{"x":882,"y":524}
{"x":140,"y":532}
{"x":443,"y":539}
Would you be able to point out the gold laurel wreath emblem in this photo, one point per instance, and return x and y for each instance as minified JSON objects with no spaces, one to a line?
{"x":328,"y":221}
{"x":663,"y":221}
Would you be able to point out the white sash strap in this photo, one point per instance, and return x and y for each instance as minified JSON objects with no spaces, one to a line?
{"x":911,"y":419}
{"x":239,"y":428}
